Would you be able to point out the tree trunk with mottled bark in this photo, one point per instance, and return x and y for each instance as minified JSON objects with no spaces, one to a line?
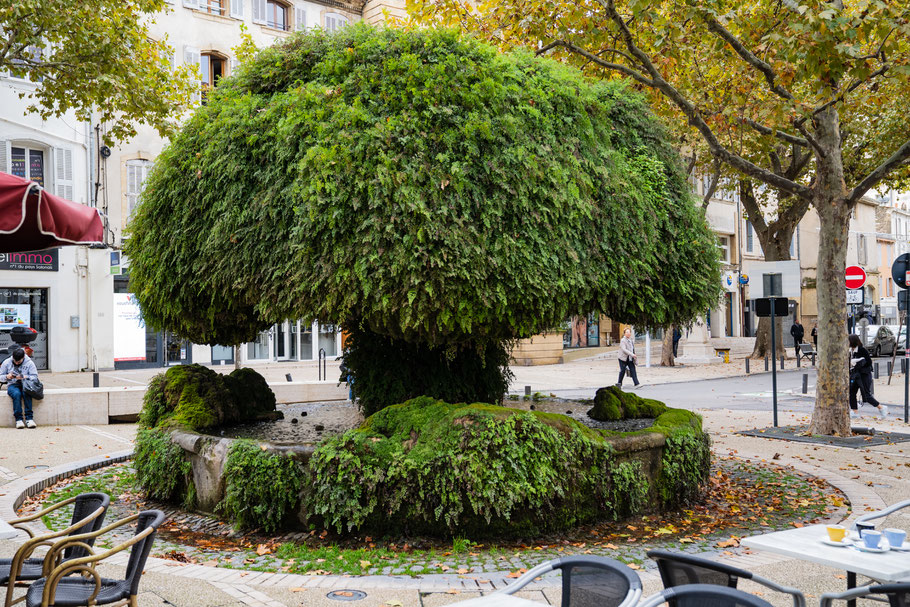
{"x":666,"y":349}
{"x":830,"y":415}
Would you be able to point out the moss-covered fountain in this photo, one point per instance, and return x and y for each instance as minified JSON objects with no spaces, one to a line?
{"x":423,"y":466}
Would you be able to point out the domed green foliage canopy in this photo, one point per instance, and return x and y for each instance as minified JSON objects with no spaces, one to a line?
{"x":421,"y":185}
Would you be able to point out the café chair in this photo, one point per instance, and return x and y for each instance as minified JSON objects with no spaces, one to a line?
{"x":89,"y":510}
{"x":898,"y":595}
{"x":586,"y":581}
{"x":60,"y":588}
{"x":881,"y":513}
{"x":680,"y":569}
{"x":703,"y":595}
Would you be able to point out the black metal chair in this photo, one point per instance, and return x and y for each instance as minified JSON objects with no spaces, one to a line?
{"x":89,"y":510}
{"x":880,"y":513}
{"x":704,"y":595}
{"x":60,"y":588}
{"x":681,"y":569}
{"x":897,"y":595}
{"x":587,"y":581}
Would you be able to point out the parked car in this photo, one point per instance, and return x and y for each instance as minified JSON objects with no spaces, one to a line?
{"x":881,"y":340}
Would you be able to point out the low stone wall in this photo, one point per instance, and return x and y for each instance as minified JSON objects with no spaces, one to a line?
{"x":100,"y":406}
{"x":208,"y":454}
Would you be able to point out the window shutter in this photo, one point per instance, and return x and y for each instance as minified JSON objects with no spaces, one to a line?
{"x":63,"y":172}
{"x":4,"y":156}
{"x":233,"y":64}
{"x":191,"y":56}
{"x":237,"y":9}
{"x":191,"y":3}
{"x":300,"y":19}
{"x":259,"y":11}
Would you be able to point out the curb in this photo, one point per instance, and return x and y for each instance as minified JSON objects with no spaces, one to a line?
{"x":13,"y":494}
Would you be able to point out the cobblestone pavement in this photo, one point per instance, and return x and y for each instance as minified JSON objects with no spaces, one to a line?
{"x":870,"y":478}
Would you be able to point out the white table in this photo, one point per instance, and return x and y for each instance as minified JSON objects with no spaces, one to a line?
{"x":805,"y":544}
{"x":499,"y":600}
{"x":7,"y":531}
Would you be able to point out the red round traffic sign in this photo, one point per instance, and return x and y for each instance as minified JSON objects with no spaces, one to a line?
{"x":856,"y":277}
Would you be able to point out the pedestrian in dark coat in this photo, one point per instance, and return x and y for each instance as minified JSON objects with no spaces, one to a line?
{"x":797,"y":332}
{"x":861,"y":376}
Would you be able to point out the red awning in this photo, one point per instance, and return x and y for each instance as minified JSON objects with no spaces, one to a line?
{"x":32,"y":219}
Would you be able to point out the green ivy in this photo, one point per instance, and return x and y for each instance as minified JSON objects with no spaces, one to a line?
{"x":386,"y":371}
{"x":685,"y":465}
{"x":427,"y":466}
{"x":162,"y":468}
{"x":261,"y":489}
{"x":422,"y":184}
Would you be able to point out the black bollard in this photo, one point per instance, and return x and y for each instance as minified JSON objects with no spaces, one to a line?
{"x":781,"y":363}
{"x":747,"y":365}
{"x":96,"y":380}
{"x":766,"y":363}
{"x":875,"y":371}
{"x":287,"y":376}
{"x":805,"y":383}
{"x":889,"y":367}
{"x":527,"y":390}
{"x":798,"y":357}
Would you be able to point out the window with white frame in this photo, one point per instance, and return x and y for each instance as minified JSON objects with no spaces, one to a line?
{"x":136,"y":172}
{"x":861,"y":256}
{"x":334,"y":22}
{"x":750,"y":238}
{"x":28,"y":163}
{"x":277,"y":15}
{"x":723,"y":243}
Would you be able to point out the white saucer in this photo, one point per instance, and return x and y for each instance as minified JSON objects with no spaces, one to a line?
{"x":883,"y":547}
{"x":905,"y":547}
{"x":846,"y":542}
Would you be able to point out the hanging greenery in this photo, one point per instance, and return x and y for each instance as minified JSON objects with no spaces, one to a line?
{"x":423,"y":186}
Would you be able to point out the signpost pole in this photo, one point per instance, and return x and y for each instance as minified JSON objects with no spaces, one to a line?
{"x":906,"y":295}
{"x":774,"y":366}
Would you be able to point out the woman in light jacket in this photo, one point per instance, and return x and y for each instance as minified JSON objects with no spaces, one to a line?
{"x":627,"y":358}
{"x":13,"y":370}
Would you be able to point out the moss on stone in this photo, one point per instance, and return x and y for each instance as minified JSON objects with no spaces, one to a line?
{"x":612,"y":404}
{"x":426,"y":466}
{"x":196,"y":397}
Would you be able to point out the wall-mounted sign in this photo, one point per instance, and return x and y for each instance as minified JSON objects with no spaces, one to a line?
{"x":129,"y":329}
{"x":41,"y":261}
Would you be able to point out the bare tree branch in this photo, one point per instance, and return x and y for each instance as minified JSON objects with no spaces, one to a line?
{"x":630,"y":72}
{"x":873,"y":178}
{"x":747,"y":56}
{"x":712,"y":185}
{"x":782,"y":135}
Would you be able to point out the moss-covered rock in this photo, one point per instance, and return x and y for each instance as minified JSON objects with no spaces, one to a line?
{"x":612,"y":404}
{"x":196,"y":397}
{"x":427,"y":466}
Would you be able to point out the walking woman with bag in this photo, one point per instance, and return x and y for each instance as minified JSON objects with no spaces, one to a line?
{"x":627,"y":358}
{"x":861,"y":377}
{"x":17,"y":370}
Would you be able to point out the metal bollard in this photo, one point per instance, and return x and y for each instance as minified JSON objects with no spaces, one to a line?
{"x":287,"y":376}
{"x":805,"y":383}
{"x":904,"y":365}
{"x":781,"y":363}
{"x":766,"y":362}
{"x":527,"y":390}
{"x":813,"y":360}
{"x":747,"y":365}
{"x":96,"y":380}
{"x":889,"y":367}
{"x":875,"y":371}
{"x":798,"y":357}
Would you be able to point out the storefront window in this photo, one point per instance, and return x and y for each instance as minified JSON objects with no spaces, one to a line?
{"x":328,"y":339}
{"x":581,"y":331}
{"x":26,"y":307}
{"x":258,"y":349}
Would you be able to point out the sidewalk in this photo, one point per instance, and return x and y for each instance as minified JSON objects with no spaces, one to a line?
{"x":870,"y":477}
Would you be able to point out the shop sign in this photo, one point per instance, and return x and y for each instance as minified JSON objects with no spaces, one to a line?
{"x":41,"y":261}
{"x":129,"y":329}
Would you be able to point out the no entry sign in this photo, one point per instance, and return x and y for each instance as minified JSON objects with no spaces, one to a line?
{"x":856,"y":277}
